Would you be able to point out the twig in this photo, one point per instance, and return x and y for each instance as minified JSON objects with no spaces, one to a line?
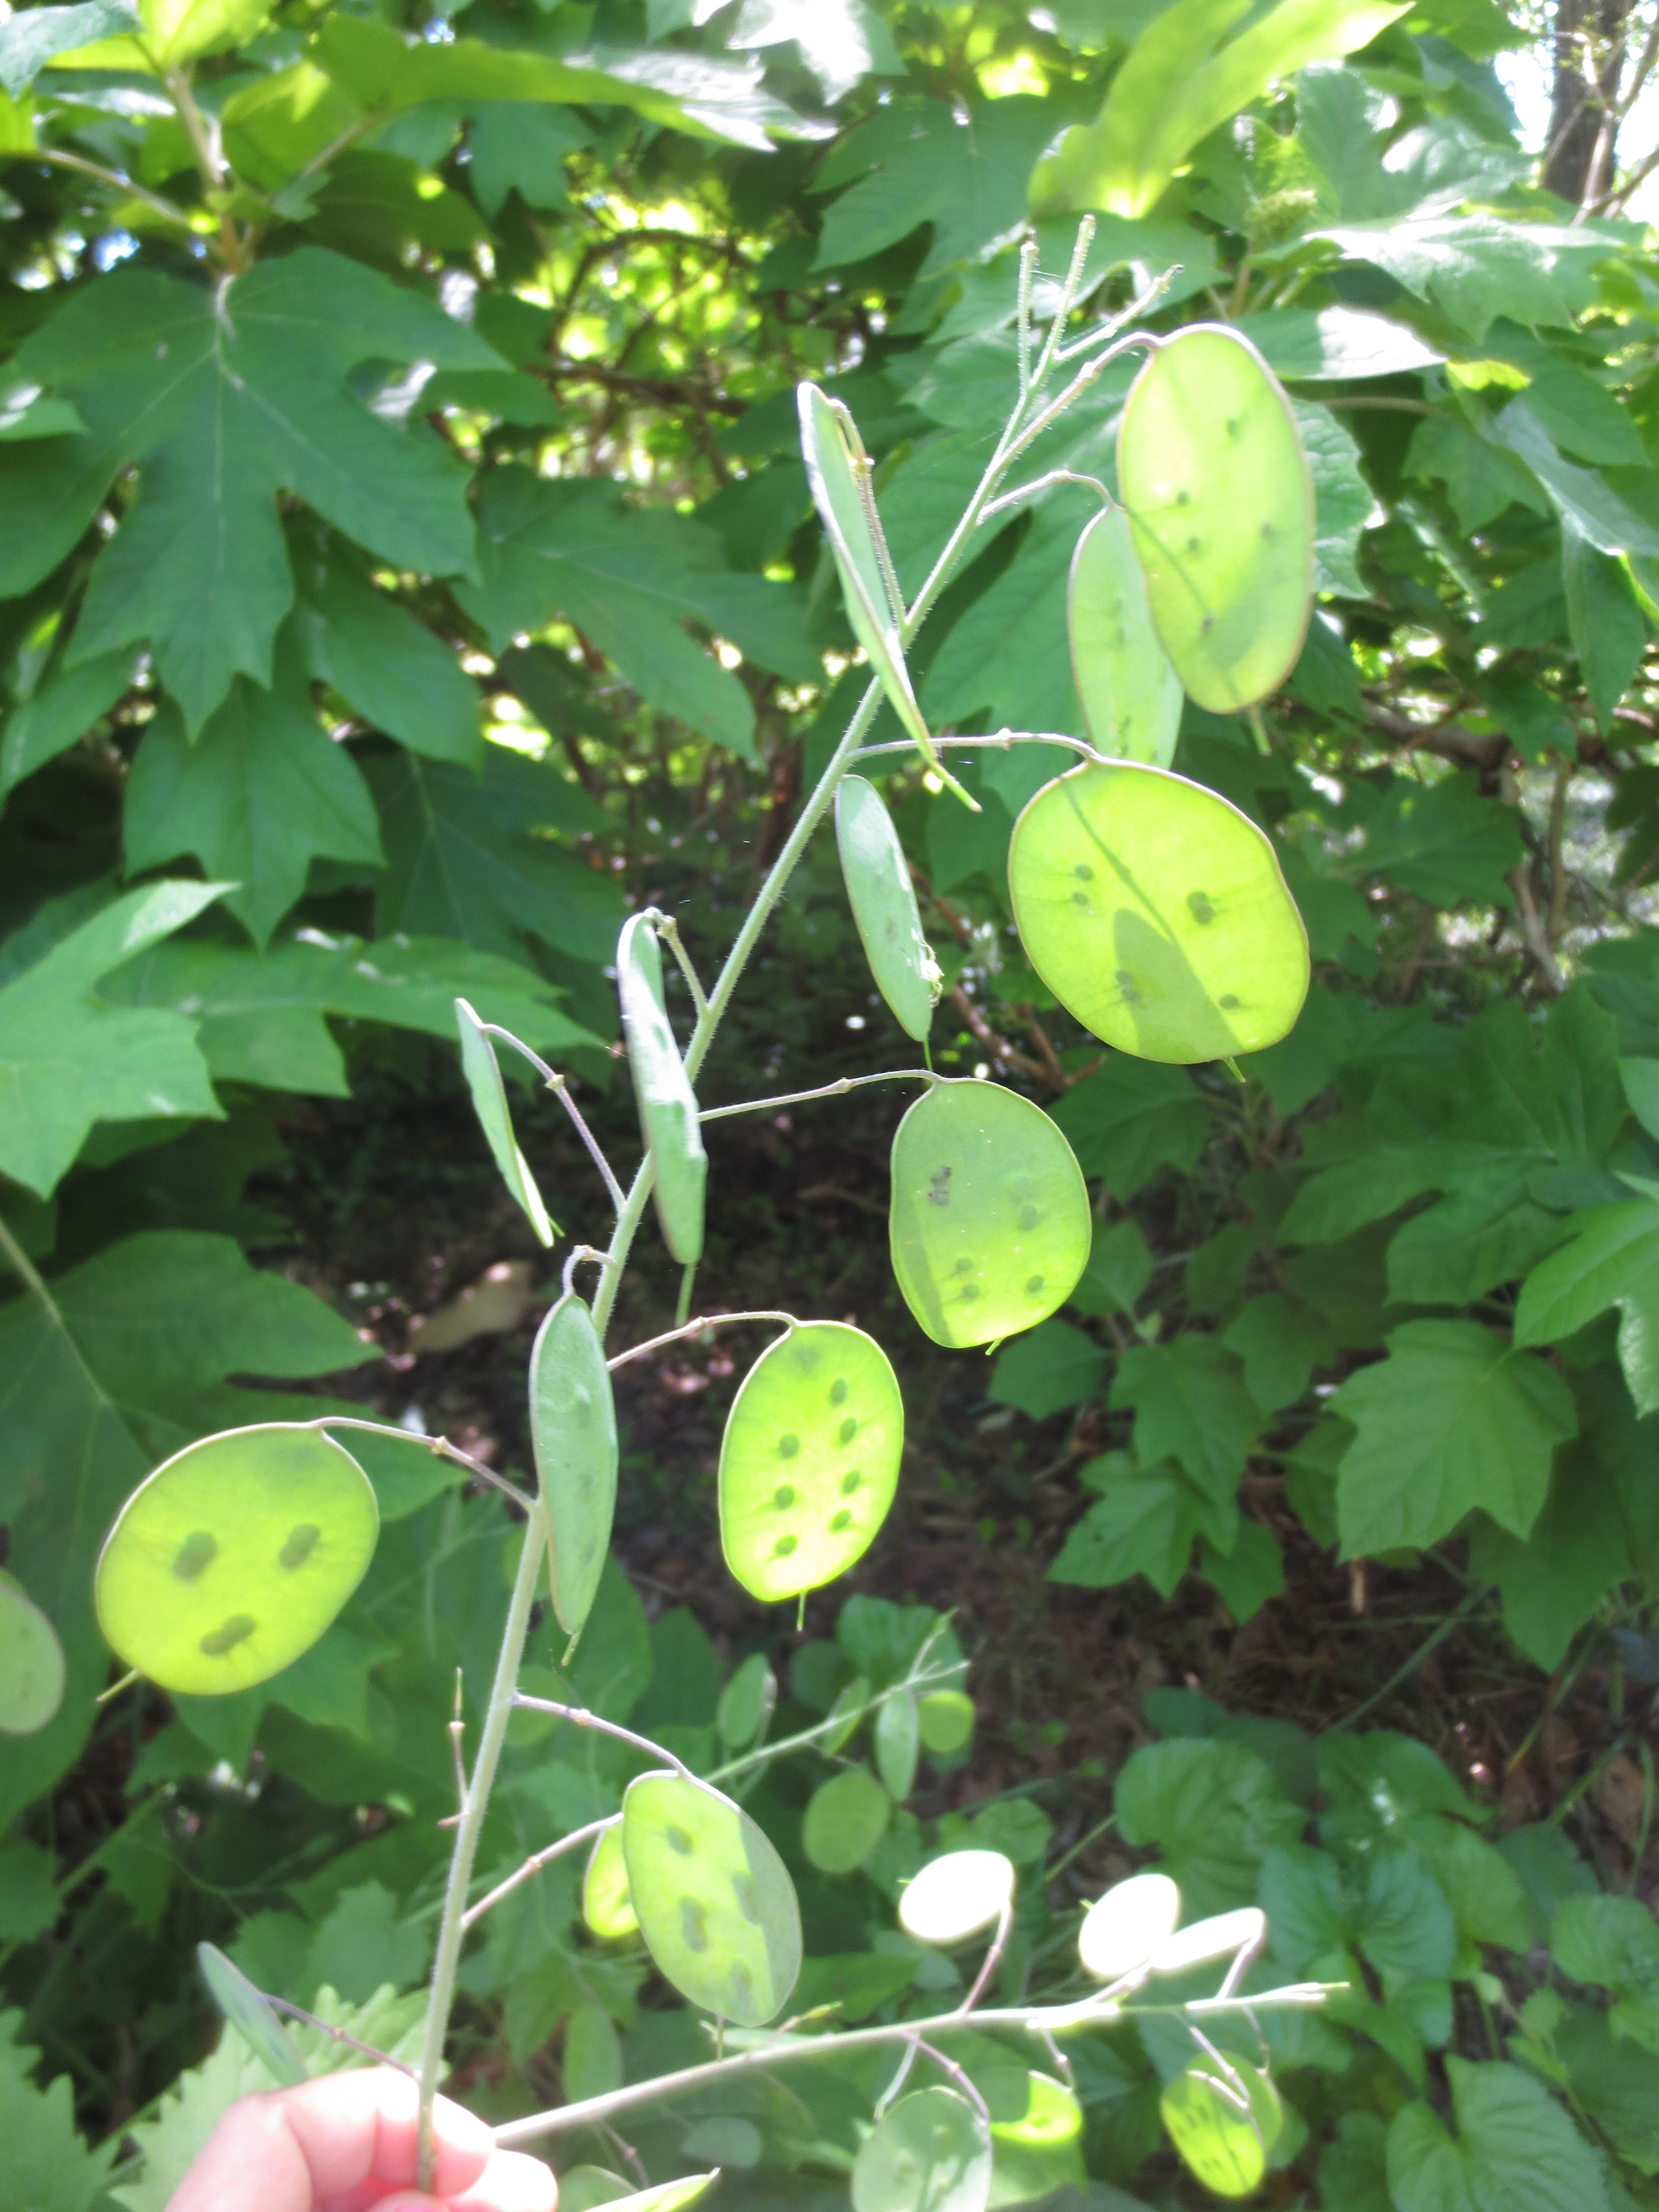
{"x":560,"y":1086}
{"x":440,"y":1447}
{"x":580,"y":1716}
{"x":837,"y":1089}
{"x":692,"y":1328}
{"x":534,"y":1864}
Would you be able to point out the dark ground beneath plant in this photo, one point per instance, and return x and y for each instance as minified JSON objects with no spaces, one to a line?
{"x":396,"y":1209}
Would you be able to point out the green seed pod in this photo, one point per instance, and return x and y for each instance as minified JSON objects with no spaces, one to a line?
{"x":838,"y":471}
{"x":1130,"y":694}
{"x":573,"y":1429}
{"x":31,"y":1663}
{"x":898,"y":1744}
{"x":1211,"y":469}
{"x":989,"y":1219}
{"x":666,"y":2196}
{"x":1157,"y":914}
{"x":668,"y":1110}
{"x":484,"y":1080}
{"x":1223,"y":2123}
{"x":810,"y":1460}
{"x":957,"y":1896}
{"x":946,"y":1718}
{"x":715,"y":1903}
{"x":1123,"y":1930}
{"x":246,"y":2009}
{"x":606,"y":1905}
{"x":234,"y":1556}
{"x":931,"y":2152}
{"x":746,"y":1702}
{"x":846,"y":1818}
{"x":883,"y":903}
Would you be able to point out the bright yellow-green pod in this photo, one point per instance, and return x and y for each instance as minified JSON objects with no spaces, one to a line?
{"x":846,"y":1818}
{"x":606,"y":1905}
{"x":234,"y":1556}
{"x":989,"y":1219}
{"x":1130,"y":694}
{"x":931,"y":2152}
{"x":573,"y":1428}
{"x":668,"y":1110}
{"x":883,"y":903}
{"x":483,"y":1079}
{"x":1224,"y":2124}
{"x":810,"y":1460}
{"x":715,"y":1903}
{"x":1211,"y":467}
{"x":31,"y":1663}
{"x":1157,"y":914}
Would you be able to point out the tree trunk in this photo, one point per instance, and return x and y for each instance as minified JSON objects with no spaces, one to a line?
{"x":1589,"y":57}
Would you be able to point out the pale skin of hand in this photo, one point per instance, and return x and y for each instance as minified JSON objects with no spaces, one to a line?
{"x":347,"y":2143}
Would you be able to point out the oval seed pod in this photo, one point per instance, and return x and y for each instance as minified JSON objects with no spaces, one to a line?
{"x":668,"y":1110}
{"x":246,"y":2009}
{"x":946,"y":1719}
{"x":1223,"y":1935}
{"x":1122,"y":1930}
{"x":715,"y":1903}
{"x":747,"y":1702}
{"x":483,"y":1079}
{"x":957,"y":1896}
{"x":234,"y":1556}
{"x":1211,"y":469}
{"x":931,"y":2152}
{"x":846,"y":1818}
{"x":810,"y":1459}
{"x":606,"y":1905}
{"x":988,"y":1218}
{"x":899,"y":1743}
{"x":32,"y":1671}
{"x":838,"y":471}
{"x":1224,"y":2124}
{"x":572,"y":1430}
{"x":883,"y":903}
{"x":1129,"y":693}
{"x":1157,"y":914}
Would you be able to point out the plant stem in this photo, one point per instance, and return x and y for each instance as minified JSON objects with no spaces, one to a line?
{"x":560,"y":1086}
{"x":1031,"y":2020}
{"x":451,"y":1928}
{"x":440,"y":1447}
{"x":690,"y":1328}
{"x":843,"y":1085}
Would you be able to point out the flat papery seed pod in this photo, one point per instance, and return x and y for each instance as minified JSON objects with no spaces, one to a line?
{"x":883,"y":903}
{"x":1124,"y":1930}
{"x":897,"y":1736}
{"x":1222,"y":1937}
{"x":715,"y":1903}
{"x":747,"y":1702}
{"x":254,"y":2021}
{"x":1157,"y":913}
{"x":957,"y":1896}
{"x":846,"y":1818}
{"x":988,"y":1216}
{"x":810,"y":1459}
{"x":834,"y":455}
{"x":668,"y":1107}
{"x":931,"y":2152}
{"x":572,"y":1430}
{"x":1129,"y":692}
{"x":1223,"y":2123}
{"x":483,"y":1079}
{"x":234,"y":1556}
{"x":946,"y":1718}
{"x":1211,"y":469}
{"x":32,"y":1671}
{"x":607,"y":1907}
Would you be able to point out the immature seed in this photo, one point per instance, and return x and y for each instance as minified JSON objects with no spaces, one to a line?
{"x":196,"y":1554}
{"x":228,"y":1635}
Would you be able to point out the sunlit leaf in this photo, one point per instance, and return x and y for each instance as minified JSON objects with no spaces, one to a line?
{"x":1221,"y":512}
{"x":883,"y":903}
{"x":715,"y":1903}
{"x":572,"y":1427}
{"x":483,"y":1079}
{"x":1131,"y":696}
{"x":1157,"y":913}
{"x":234,"y":1557}
{"x":810,"y":1459}
{"x":990,"y":1221}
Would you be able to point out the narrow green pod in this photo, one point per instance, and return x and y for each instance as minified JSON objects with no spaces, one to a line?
{"x":606,"y":1905}
{"x":32,"y":1672}
{"x":883,"y":903}
{"x":838,"y":471}
{"x":931,"y":2152}
{"x":715,"y":1903}
{"x":483,"y":1079}
{"x":898,"y":1744}
{"x":234,"y":1556}
{"x":1212,"y":471}
{"x":988,"y":1216}
{"x":572,"y":1430}
{"x":810,"y":1459}
{"x":747,"y":1702}
{"x":1130,"y":694}
{"x":246,"y":2009}
{"x":668,"y":1109}
{"x":1157,"y":914}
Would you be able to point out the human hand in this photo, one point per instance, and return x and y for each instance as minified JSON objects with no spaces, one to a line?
{"x":347,"y":2143}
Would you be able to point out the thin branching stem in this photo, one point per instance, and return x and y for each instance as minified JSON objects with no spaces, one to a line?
{"x":560,"y":1086}
{"x":580,"y":1716}
{"x":694,"y":1329}
{"x":440,"y":1447}
{"x":843,"y":1084}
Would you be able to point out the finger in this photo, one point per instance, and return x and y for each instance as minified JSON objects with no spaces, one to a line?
{"x":512,"y":2182}
{"x":359,"y":2132}
{"x":250,"y":2163}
